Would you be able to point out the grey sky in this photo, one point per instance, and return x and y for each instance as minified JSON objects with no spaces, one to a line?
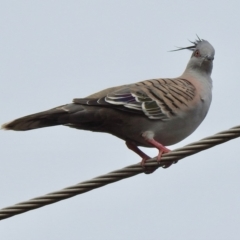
{"x":54,"y":51}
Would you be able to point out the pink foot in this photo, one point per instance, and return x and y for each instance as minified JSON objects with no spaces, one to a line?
{"x":144,"y":156}
{"x":162,"y":149}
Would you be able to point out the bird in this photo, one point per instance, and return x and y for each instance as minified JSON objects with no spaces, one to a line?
{"x":152,"y":113}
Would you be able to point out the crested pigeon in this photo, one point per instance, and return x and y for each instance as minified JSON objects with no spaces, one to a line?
{"x":151,"y":113}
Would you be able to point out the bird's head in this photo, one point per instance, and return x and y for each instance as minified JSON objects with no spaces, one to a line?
{"x":202,"y":56}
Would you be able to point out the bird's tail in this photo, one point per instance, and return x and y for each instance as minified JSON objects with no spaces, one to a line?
{"x":52,"y":117}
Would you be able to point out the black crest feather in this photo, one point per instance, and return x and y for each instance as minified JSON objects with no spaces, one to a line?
{"x":191,"y":48}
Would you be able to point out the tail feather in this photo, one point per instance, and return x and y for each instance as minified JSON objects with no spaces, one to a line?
{"x":48,"y":118}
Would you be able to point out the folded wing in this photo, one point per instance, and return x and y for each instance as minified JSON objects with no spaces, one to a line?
{"x":156,"y":98}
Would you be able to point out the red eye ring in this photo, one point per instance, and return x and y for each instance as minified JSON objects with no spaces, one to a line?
{"x":197,"y":53}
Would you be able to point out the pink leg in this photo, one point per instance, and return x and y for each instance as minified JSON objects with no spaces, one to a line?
{"x":162,"y":149}
{"x":144,"y":156}
{"x":135,"y":149}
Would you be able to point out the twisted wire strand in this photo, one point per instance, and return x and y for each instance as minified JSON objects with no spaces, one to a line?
{"x":120,"y":174}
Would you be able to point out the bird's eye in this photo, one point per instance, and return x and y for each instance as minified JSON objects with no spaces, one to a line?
{"x":197,"y":53}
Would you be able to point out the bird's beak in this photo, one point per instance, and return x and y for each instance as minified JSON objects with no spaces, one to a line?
{"x":209,"y":58}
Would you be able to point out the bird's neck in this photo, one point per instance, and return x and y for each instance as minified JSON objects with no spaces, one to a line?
{"x":201,"y":76}
{"x":203,"y":69}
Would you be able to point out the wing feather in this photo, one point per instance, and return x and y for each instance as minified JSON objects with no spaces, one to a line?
{"x":156,"y":98}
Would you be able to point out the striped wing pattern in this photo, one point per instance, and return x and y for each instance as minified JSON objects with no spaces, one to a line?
{"x":156,"y":98}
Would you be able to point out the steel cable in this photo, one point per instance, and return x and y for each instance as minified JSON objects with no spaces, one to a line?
{"x":120,"y":174}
